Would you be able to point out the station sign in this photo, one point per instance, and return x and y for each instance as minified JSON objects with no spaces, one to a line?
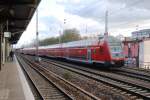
{"x":7,"y":34}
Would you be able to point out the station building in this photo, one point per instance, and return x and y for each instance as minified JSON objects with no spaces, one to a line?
{"x":136,"y":49}
{"x":145,"y":33}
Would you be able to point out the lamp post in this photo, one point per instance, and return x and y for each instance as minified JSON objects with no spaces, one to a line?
{"x":64,"y":25}
{"x":62,"y":32}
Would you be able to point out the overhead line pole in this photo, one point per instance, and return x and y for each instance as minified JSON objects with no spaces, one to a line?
{"x":37,"y":35}
{"x":106,"y":25}
{"x":106,"y":22}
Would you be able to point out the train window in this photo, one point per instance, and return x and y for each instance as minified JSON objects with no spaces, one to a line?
{"x":117,"y":55}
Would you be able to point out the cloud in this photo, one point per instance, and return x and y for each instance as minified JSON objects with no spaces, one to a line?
{"x":88,"y":16}
{"x":123,"y":14}
{"x":119,"y":10}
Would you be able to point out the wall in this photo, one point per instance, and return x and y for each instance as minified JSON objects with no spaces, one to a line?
{"x":144,"y":54}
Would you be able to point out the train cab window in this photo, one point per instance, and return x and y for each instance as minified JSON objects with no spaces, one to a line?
{"x":115,"y":47}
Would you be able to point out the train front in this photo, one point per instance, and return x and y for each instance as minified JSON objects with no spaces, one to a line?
{"x":116,"y":51}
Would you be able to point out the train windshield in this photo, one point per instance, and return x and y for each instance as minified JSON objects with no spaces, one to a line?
{"x":115,"y":47}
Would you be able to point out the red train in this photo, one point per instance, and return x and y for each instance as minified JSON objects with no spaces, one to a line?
{"x":107,"y":51}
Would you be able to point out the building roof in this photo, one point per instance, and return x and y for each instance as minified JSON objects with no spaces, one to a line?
{"x":18,"y":14}
{"x":141,"y":31}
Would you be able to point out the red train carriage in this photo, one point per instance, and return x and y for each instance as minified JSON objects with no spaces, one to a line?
{"x":99,"y":50}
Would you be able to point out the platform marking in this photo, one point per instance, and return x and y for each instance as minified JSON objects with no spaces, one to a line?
{"x":26,"y":88}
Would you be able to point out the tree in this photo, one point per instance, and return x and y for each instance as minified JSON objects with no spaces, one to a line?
{"x":67,"y":36}
{"x":70,"y":35}
{"x":49,"y":41}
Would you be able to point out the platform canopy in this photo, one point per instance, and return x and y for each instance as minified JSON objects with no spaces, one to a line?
{"x":17,"y":13}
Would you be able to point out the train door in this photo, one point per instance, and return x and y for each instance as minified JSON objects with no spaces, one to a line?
{"x":89,"y":55}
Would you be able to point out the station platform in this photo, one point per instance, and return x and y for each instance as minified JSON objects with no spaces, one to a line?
{"x":13,"y":84}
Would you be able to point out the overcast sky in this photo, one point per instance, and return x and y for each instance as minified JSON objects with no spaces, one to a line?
{"x":123,"y":17}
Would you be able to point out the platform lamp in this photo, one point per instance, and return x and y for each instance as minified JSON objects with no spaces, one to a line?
{"x":64,"y":23}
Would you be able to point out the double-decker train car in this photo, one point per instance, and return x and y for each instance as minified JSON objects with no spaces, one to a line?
{"x":107,"y":51}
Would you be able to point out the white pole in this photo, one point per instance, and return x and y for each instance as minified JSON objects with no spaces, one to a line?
{"x":106,"y":23}
{"x":37,"y":40}
{"x":106,"y":27}
{"x":60,"y":37}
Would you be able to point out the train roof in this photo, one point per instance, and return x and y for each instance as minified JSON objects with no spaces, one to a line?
{"x":28,"y":48}
{"x":79,"y":43}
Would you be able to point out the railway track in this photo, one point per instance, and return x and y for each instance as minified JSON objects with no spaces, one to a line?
{"x":142,"y":76}
{"x":45,"y":89}
{"x":70,"y":89}
{"x":139,"y":89}
{"x":134,"y":73}
{"x":138,"y":69}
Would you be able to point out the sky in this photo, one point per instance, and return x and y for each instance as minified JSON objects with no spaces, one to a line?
{"x":88,"y":16}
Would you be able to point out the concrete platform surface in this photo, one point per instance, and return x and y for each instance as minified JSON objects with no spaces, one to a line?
{"x":10,"y":83}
